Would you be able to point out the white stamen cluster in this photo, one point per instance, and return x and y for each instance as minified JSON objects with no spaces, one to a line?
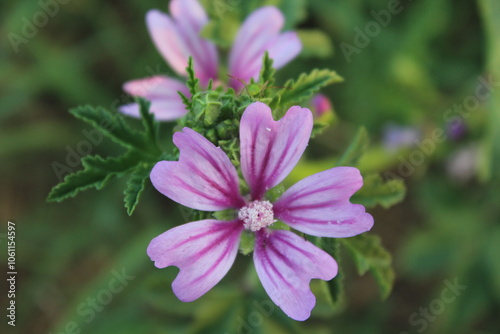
{"x":256,"y":215}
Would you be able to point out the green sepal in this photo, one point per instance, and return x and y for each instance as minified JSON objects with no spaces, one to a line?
{"x":229,"y":214}
{"x":247,"y":242}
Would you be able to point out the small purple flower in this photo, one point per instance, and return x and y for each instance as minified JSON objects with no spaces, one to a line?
{"x":177,"y":37}
{"x":205,"y":179}
{"x":320,"y":105}
{"x":396,"y":137}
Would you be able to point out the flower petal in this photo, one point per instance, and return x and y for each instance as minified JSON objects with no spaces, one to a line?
{"x":203,"y":250}
{"x":286,"y":47}
{"x":162,"y":91}
{"x":258,"y":34}
{"x":203,"y":178}
{"x":286,"y":263}
{"x":180,"y":38}
{"x":270,"y":149}
{"x":319,"y":204}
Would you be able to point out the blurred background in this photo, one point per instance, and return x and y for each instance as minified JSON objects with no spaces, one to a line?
{"x":424,"y":80}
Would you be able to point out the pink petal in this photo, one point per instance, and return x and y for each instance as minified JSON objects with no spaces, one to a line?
{"x":162,"y":91}
{"x":168,"y":41}
{"x":270,"y":149}
{"x":286,"y":47}
{"x":319,"y":204}
{"x":286,"y":263}
{"x":258,"y":34}
{"x":204,"y":178}
{"x":180,"y":38}
{"x":203,"y":250}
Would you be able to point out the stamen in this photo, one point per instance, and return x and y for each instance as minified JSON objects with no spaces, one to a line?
{"x":256,"y":215}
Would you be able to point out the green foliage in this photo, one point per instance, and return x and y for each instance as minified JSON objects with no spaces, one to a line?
{"x":334,"y":286}
{"x":142,"y":153}
{"x":315,"y":43}
{"x":297,"y":91}
{"x":267,"y":73}
{"x":377,"y":192}
{"x":193,"y":81}
{"x":369,"y":254}
{"x":356,"y":149}
{"x":135,"y":186}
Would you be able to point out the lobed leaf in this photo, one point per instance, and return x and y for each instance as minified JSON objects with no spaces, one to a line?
{"x":97,"y":173}
{"x":296,"y":92}
{"x":377,"y":192}
{"x":135,"y":186}
{"x":369,"y":254}
{"x":112,"y":125}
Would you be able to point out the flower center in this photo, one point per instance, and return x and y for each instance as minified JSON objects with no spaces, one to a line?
{"x":256,"y":215}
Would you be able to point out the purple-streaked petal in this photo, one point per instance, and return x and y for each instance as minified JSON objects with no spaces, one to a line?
{"x":260,"y":33}
{"x":203,"y":250}
{"x":163,"y":94}
{"x":270,"y":149}
{"x":286,"y":263}
{"x":178,"y":39}
{"x":319,"y":204}
{"x":203,"y":179}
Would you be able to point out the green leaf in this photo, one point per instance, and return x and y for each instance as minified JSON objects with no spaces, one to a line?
{"x":355,"y":150}
{"x":96,"y":174}
{"x":377,"y":192}
{"x":315,"y":43}
{"x":369,"y":254}
{"x":295,"y":92}
{"x":268,"y":71}
{"x":192,"y":81}
{"x":151,"y":127}
{"x":112,"y":125}
{"x":334,"y":286}
{"x":135,"y":186}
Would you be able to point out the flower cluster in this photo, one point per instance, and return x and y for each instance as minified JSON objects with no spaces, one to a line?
{"x":177,"y":37}
{"x":205,"y":179}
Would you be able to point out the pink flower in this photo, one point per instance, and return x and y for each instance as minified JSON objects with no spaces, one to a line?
{"x":205,"y":179}
{"x":177,"y":37}
{"x":320,"y":105}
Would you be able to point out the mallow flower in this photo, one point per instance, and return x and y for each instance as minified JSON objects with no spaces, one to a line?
{"x":205,"y":179}
{"x":177,"y":37}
